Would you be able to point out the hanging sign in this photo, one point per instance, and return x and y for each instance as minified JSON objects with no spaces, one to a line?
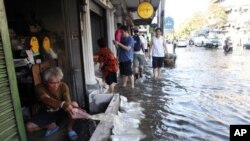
{"x":169,"y":23}
{"x":34,"y":44}
{"x":46,"y":44}
{"x":145,"y":10}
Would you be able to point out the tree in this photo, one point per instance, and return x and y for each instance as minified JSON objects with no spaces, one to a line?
{"x":247,"y":25}
{"x":197,"y":21}
{"x":216,"y":16}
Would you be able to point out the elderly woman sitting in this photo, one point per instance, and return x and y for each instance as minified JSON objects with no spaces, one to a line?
{"x":53,"y":96}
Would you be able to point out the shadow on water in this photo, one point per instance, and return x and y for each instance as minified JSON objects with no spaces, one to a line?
{"x":198,"y":99}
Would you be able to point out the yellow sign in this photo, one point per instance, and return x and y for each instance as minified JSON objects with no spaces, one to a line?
{"x":34,"y":44}
{"x":145,"y":10}
{"x":46,"y":44}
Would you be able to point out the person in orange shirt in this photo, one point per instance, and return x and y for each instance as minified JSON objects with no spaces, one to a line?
{"x":108,"y":64}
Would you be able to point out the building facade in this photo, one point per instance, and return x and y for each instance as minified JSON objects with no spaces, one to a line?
{"x":238,"y":19}
{"x":73,"y":26}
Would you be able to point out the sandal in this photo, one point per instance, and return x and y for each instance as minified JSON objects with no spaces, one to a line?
{"x":72,"y":135}
{"x":51,"y":131}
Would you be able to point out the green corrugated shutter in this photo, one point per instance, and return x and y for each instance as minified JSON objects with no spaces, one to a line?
{"x":8,"y":127}
{"x":11,"y":121}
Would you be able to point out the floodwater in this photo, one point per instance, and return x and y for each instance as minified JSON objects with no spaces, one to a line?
{"x":198,"y":99}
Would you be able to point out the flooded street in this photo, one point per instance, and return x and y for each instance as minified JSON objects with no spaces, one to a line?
{"x":198,"y":99}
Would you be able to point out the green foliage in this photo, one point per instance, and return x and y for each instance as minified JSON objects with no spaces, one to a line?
{"x":214,"y":17}
{"x":248,"y":25}
{"x":195,"y":22}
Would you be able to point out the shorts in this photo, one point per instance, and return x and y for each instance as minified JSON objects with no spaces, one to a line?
{"x":146,"y":50}
{"x":139,"y":60}
{"x":157,"y":62}
{"x":126,"y":68}
{"x":46,"y":118}
{"x":111,"y":78}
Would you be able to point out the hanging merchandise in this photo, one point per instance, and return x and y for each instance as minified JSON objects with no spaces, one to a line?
{"x":46,"y":44}
{"x":34,"y":44}
{"x":48,"y":50}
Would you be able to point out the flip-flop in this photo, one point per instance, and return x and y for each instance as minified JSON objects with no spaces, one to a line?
{"x":51,"y":131}
{"x":72,"y":135}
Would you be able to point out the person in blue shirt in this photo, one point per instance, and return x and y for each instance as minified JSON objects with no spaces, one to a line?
{"x":126,"y":52}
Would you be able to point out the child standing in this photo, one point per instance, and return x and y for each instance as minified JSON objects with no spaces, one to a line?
{"x":108,"y":64}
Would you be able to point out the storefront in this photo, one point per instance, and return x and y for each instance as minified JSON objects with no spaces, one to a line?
{"x":98,"y":24}
{"x":59,"y":21}
{"x":70,"y":28}
{"x":36,"y":26}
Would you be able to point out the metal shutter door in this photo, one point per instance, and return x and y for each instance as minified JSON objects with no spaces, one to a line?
{"x":11,"y":120}
{"x":8,"y":127}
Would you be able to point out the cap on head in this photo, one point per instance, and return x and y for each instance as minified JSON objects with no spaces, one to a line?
{"x":136,"y":30}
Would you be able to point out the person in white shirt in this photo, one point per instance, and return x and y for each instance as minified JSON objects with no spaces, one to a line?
{"x":145,"y":45}
{"x":159,"y":48}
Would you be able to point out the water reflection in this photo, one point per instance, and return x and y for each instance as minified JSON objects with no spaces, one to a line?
{"x":198,"y":99}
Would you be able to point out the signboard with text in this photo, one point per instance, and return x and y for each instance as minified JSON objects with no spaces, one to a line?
{"x":169,"y":23}
{"x":145,"y":10}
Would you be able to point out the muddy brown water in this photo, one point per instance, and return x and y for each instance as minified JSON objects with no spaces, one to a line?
{"x":199,"y":99}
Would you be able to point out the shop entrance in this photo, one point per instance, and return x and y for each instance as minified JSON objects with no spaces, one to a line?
{"x":32,"y":24}
{"x":98,"y":29}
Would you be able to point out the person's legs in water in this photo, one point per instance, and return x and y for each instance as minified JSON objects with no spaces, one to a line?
{"x":124,"y":81}
{"x":141,"y":64}
{"x":111,"y":80}
{"x":155,"y":73}
{"x":132,"y":81}
{"x":127,"y":72}
{"x":174,"y":47}
{"x":122,"y":67}
{"x":136,"y":66}
{"x":112,"y":88}
{"x":160,"y":63}
{"x":140,"y":70}
{"x":155,"y":67}
{"x":159,"y":72}
{"x":146,"y":54}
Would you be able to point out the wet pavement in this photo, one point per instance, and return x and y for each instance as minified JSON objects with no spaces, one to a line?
{"x":198,"y":99}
